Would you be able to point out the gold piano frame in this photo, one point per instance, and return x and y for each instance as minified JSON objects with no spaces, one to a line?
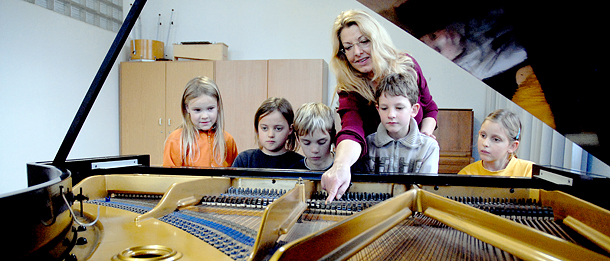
{"x":346,"y":238}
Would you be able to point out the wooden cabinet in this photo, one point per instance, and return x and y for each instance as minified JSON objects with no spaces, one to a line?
{"x":244,"y":85}
{"x":150,"y":94}
{"x":454,"y":136}
{"x":299,"y":81}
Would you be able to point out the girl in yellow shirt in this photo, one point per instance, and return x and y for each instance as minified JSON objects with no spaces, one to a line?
{"x":497,"y":144}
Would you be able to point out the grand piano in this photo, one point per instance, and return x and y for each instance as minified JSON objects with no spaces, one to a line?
{"x":121,"y":208}
{"x":124,"y":209}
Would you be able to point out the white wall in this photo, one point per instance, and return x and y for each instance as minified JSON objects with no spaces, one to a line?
{"x":50,"y":61}
{"x":277,"y":29}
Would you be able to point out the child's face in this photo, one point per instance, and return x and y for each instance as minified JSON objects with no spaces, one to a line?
{"x":316,"y":146}
{"x":203,"y":111}
{"x":273,"y":131}
{"x":396,"y":113}
{"x":493,"y":143}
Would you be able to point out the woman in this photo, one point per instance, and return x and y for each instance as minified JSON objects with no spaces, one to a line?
{"x":364,"y":55}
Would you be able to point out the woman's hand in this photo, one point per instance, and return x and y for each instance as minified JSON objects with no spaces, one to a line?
{"x":336,"y":180}
{"x":427,"y":127}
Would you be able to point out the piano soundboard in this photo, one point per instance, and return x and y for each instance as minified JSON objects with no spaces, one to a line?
{"x":269,"y":218}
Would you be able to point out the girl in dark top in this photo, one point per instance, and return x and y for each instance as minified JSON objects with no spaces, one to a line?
{"x":275,"y":137}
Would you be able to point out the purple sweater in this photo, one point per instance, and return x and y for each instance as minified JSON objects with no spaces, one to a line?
{"x":359,"y":118}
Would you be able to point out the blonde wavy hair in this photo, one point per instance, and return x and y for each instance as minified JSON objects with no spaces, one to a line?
{"x":385,"y":57}
{"x":195,"y":88}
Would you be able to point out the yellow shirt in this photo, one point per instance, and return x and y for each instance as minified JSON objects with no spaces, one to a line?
{"x":172,"y":154}
{"x":515,"y":168}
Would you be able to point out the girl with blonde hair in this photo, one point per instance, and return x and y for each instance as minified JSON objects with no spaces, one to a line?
{"x":498,"y":142}
{"x":201,"y":139}
{"x":363,"y":54}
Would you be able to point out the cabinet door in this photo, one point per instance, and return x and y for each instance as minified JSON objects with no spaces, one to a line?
{"x":178,"y":74}
{"x":243,"y":86}
{"x":142,"y":108}
{"x":454,"y":132}
{"x":298,"y":80}
{"x":454,"y":136}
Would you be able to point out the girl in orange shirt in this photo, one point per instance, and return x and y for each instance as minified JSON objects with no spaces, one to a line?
{"x":200,"y":140}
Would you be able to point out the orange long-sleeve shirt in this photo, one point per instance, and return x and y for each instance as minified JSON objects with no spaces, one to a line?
{"x":172,"y":154}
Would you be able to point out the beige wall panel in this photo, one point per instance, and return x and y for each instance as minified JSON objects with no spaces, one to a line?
{"x":454,"y":136}
{"x":142,"y":99}
{"x":243,"y":86}
{"x":298,"y":80}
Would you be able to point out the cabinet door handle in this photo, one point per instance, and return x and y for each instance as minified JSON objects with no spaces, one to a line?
{"x":160,"y":121}
{"x":169,"y":122}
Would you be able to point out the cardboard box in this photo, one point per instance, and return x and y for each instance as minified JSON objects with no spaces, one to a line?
{"x":217,"y":51}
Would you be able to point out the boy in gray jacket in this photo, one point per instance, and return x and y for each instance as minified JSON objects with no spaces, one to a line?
{"x":398,"y":146}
